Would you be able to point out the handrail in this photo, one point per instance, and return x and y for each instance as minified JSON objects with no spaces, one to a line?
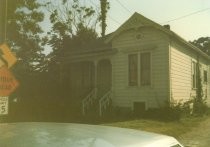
{"x":105,"y":101}
{"x":88,"y":100}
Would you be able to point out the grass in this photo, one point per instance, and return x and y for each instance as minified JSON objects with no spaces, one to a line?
{"x":175,"y":128}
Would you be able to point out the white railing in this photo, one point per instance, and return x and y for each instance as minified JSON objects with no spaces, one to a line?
{"x":88,"y":100}
{"x":105,"y":102}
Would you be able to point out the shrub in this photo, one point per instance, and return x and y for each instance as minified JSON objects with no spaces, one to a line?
{"x":200,"y":108}
{"x":199,"y":102}
{"x":170,"y":112}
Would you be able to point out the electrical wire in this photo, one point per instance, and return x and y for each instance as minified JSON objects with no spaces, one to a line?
{"x":184,"y":16}
{"x":117,"y":22}
{"x":124,"y":6}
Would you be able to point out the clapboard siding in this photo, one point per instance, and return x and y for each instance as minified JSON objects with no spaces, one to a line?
{"x":126,"y":43}
{"x":181,"y":72}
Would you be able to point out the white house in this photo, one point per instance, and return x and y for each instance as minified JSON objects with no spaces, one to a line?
{"x":144,"y":66}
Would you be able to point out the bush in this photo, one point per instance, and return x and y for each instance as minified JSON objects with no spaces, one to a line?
{"x":200,"y":108}
{"x":170,"y":112}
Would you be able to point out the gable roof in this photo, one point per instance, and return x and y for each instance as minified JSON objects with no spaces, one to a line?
{"x":137,"y":20}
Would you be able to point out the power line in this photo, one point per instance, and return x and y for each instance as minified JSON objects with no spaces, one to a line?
{"x":181,"y":17}
{"x":114,"y":20}
{"x":124,"y":7}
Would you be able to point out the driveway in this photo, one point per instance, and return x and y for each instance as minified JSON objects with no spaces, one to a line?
{"x":198,"y":137}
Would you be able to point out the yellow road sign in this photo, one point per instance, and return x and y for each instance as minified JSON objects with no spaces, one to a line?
{"x":6,"y":56}
{"x":1,"y":63}
{"x":8,"y":83}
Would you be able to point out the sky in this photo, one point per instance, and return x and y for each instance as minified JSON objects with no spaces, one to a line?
{"x":194,"y":25}
{"x":190,"y":27}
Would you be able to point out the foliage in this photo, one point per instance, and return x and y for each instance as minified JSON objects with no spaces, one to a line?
{"x":166,"y":113}
{"x":104,"y":8}
{"x":170,"y":112}
{"x":43,"y":78}
{"x":24,"y":38}
{"x":199,"y":104}
{"x":203,"y":43}
{"x":23,"y":32}
{"x":73,"y":29}
{"x":71,"y":23}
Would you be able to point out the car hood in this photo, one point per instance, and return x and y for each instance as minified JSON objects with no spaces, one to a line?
{"x":77,"y":135}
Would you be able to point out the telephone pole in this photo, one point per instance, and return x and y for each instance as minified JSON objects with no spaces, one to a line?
{"x":3,"y":17}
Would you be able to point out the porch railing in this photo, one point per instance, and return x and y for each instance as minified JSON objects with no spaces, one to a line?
{"x":104,"y":102}
{"x":88,"y":100}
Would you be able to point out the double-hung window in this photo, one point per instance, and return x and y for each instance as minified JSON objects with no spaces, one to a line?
{"x":145,"y":69}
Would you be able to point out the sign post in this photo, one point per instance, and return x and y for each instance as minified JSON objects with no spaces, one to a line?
{"x":4,"y":105}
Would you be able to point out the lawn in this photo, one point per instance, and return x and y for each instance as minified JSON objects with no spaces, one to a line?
{"x":173,"y":128}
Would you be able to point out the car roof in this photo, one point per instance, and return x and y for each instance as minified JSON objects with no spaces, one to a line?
{"x":78,"y":135}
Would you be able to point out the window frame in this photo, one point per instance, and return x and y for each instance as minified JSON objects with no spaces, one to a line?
{"x":150,"y":68}
{"x":205,"y":76}
{"x":135,"y":83}
{"x":194,"y":74}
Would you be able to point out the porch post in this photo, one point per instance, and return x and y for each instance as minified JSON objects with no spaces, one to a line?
{"x":95,"y":77}
{"x":111,"y":64}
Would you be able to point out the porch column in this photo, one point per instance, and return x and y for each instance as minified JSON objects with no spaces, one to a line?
{"x":95,"y":77}
{"x":112,"y":77}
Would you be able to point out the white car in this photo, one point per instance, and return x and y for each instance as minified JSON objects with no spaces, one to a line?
{"x":78,"y":135}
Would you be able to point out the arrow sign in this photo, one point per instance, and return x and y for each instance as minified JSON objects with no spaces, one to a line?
{"x":8,"y":83}
{"x":6,"y":56}
{"x":2,"y":63}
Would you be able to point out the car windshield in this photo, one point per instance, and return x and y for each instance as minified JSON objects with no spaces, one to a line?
{"x":136,"y":65}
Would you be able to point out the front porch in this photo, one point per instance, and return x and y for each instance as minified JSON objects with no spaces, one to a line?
{"x":90,"y":85}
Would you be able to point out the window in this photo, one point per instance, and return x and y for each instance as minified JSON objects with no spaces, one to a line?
{"x":133,"y":72}
{"x":205,"y":76}
{"x":145,"y":69}
{"x":194,"y":74}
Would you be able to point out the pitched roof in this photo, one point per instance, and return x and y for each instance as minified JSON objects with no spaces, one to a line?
{"x":137,"y":20}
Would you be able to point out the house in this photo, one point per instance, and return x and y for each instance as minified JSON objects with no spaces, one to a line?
{"x":144,"y":66}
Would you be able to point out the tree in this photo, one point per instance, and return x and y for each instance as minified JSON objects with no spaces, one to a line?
{"x":104,"y":8}
{"x":73,"y":28}
{"x":69,"y":19}
{"x":23,"y":35}
{"x":203,"y":43}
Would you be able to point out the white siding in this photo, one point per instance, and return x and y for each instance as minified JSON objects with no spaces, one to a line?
{"x":126,"y":43}
{"x":181,"y":72}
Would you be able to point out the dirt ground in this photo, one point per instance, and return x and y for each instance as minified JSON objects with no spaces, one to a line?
{"x":197,"y":137}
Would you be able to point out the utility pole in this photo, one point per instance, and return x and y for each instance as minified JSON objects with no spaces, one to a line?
{"x":103,"y":16}
{"x":3,"y":17}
